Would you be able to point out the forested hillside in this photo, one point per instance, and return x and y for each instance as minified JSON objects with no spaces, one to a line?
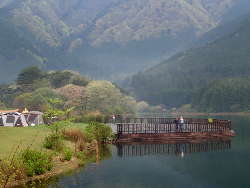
{"x":214,"y":77}
{"x":16,"y":52}
{"x":68,"y":90}
{"x":104,"y":39}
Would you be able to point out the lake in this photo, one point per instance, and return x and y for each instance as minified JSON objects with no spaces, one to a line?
{"x":213,"y":164}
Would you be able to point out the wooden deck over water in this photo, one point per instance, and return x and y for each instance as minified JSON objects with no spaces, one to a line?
{"x":140,"y":129}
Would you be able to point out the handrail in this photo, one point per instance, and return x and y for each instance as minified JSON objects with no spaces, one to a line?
{"x":168,"y":125}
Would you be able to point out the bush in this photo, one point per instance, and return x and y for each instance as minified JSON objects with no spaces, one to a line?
{"x":93,"y":117}
{"x":54,"y":142}
{"x":73,"y":134}
{"x":98,"y":131}
{"x":67,"y":154}
{"x":11,"y":171}
{"x":76,"y":136}
{"x":36,"y":162}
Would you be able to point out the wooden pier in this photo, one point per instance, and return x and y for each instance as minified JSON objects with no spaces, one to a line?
{"x":156,"y":129}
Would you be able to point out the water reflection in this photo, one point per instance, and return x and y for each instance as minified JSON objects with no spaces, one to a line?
{"x":171,"y":148}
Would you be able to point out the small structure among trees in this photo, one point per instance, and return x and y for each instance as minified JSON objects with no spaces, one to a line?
{"x":34,"y":118}
{"x":13,"y":118}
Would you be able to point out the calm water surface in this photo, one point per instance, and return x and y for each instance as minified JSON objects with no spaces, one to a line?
{"x":219,"y":165}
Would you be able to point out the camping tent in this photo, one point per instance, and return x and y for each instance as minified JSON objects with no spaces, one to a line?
{"x":13,"y":119}
{"x":34,"y":118}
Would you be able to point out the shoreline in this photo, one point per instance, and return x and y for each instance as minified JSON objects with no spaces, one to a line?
{"x":59,"y":169}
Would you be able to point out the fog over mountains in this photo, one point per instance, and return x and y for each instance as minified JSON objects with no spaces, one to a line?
{"x":104,"y":39}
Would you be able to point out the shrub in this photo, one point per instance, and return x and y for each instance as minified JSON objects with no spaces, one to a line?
{"x":98,"y":131}
{"x":73,"y":134}
{"x":93,"y":117}
{"x":54,"y":142}
{"x":11,"y":171}
{"x":67,"y":154}
{"x":77,"y":136}
{"x":81,"y":155}
{"x":36,"y":162}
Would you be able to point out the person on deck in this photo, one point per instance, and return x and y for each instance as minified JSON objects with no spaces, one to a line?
{"x":181,"y":123}
{"x":113,"y":118}
{"x":176,"y":121}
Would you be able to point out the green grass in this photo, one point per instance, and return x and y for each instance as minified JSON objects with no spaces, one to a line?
{"x":12,"y":137}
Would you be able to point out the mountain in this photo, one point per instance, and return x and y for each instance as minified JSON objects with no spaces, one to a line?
{"x":15,"y":52}
{"x":111,"y":38}
{"x":117,"y":21}
{"x":212,"y":77}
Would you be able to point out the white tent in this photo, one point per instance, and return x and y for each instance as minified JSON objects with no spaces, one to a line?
{"x":13,"y":119}
{"x":34,"y":118}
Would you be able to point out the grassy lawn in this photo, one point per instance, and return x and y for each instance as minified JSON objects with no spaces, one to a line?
{"x":11,"y":137}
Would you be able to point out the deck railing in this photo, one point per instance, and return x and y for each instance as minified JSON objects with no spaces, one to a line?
{"x":168,"y":125}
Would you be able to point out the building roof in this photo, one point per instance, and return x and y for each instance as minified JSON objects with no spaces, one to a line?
{"x":8,"y":111}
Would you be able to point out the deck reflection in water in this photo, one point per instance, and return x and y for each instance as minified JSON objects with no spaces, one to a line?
{"x":171,"y":148}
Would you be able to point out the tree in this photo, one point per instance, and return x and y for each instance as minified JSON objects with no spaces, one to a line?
{"x":40,"y":100}
{"x":60,"y":78}
{"x":72,"y":93}
{"x":105,"y":97}
{"x":29,"y":75}
{"x":80,"y":80}
{"x":21,"y":101}
{"x":2,"y":105}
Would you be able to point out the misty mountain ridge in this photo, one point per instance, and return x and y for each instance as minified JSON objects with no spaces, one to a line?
{"x":213,"y":77}
{"x":107,"y":39}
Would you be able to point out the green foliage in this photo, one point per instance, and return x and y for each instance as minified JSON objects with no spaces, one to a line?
{"x":224,"y":95}
{"x":47,"y":93}
{"x":81,"y":155}
{"x":201,"y":76}
{"x":37,"y":102}
{"x":99,"y":132}
{"x":11,"y":171}
{"x":54,"y":142}
{"x":60,"y":79}
{"x":21,"y":101}
{"x":67,"y":154}
{"x":70,"y":101}
{"x":105,"y":97}
{"x":37,"y":34}
{"x":52,"y":115}
{"x":57,"y":126}
{"x":93,"y":117}
{"x":36,"y":162}
{"x":79,"y":81}
{"x":2,"y":105}
{"x":29,"y":75}
{"x":39,"y":99}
